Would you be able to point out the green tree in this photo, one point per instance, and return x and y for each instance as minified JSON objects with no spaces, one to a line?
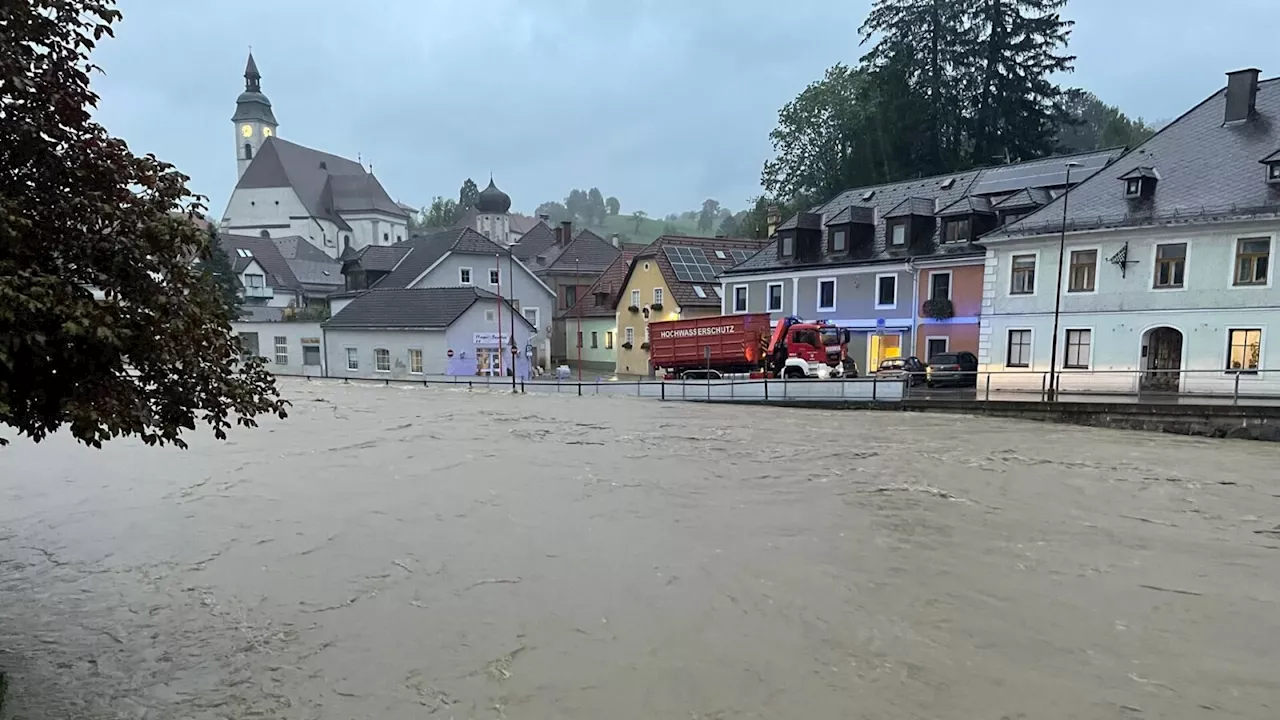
{"x":557,"y":211}
{"x":217,"y":268}
{"x":729,"y":225}
{"x":612,"y":204}
{"x":577,"y":205}
{"x":107,"y":325}
{"x":927,"y":43}
{"x":468,"y":195}
{"x":442,"y":213}
{"x":839,"y":133}
{"x":595,"y":206}
{"x":1018,"y":48}
{"x":707,"y":216}
{"x":639,"y":216}
{"x":1091,"y":124}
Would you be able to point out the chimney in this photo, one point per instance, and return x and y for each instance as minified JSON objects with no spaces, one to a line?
{"x":545,"y":217}
{"x":1242,"y":94}
{"x":566,"y":231}
{"x":614,"y":241}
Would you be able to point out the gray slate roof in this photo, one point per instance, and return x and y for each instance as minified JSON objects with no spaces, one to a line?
{"x":325,"y":183}
{"x":588,"y":253}
{"x":279,"y":274}
{"x":315,"y":270}
{"x":909,"y":196}
{"x":425,"y":308}
{"x":379,"y":258}
{"x":536,"y":241}
{"x":425,"y":250}
{"x":1207,"y":171}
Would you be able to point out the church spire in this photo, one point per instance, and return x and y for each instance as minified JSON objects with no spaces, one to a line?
{"x":252,"y":79}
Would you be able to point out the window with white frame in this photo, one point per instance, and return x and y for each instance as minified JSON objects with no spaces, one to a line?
{"x":657,"y":296}
{"x":1019,"y":354}
{"x":740,"y":298}
{"x":415,"y":361}
{"x":1253,"y":255}
{"x":382,"y":360}
{"x":775,"y":297}
{"x":282,"y":350}
{"x":886,"y":292}
{"x":939,"y":285}
{"x":936,"y":346}
{"x":838,"y":242}
{"x":254,"y":280}
{"x":495,"y":276}
{"x":1244,"y":350}
{"x":532,"y":314}
{"x":826,"y":294}
{"x":353,"y":359}
{"x":1083,"y":271}
{"x":635,"y":298}
{"x":1023,"y":275}
{"x":788,"y":245}
{"x":1079,"y":346}
{"x":630,"y":336}
{"x":1171,"y":265}
{"x":464,"y":276}
{"x":608,"y":339}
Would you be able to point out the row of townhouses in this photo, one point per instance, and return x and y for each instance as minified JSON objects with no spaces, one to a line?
{"x":1153,"y":263}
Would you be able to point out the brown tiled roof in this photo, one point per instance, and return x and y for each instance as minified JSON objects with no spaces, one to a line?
{"x":610,"y":282}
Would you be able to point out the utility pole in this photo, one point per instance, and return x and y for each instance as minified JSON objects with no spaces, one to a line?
{"x":497,"y":263}
{"x":511,"y":277}
{"x":1057,"y":299}
{"x":577,"y":302}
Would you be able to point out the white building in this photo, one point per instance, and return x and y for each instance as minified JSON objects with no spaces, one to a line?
{"x":286,"y":189}
{"x":1165,"y":279}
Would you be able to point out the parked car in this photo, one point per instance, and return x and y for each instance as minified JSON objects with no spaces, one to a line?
{"x":911,"y":367}
{"x":958,"y":369}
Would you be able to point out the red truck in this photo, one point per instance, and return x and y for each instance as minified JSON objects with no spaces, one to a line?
{"x":717,"y":346}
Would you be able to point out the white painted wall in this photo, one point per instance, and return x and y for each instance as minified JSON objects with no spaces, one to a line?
{"x":280,"y":213}
{"x":293,"y":333}
{"x":376,"y":228}
{"x":396,"y":342}
{"x":1122,"y":308}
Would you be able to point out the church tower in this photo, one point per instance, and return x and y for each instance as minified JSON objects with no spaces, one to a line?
{"x":492,"y":219}
{"x":254,"y":122}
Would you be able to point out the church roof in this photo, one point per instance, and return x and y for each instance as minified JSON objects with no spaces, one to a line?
{"x":326,"y":184}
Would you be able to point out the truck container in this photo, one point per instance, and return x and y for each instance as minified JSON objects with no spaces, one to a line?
{"x":724,"y":344}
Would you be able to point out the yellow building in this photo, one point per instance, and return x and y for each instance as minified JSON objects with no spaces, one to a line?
{"x":675,"y":277}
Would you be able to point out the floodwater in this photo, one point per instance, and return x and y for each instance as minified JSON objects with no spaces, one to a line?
{"x":411,"y":552}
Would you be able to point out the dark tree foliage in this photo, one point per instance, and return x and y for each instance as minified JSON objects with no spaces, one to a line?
{"x":441,"y":213}
{"x":612,"y":205}
{"x":468,"y":195}
{"x":708,"y":214}
{"x":217,"y":267}
{"x":928,"y":43}
{"x":153,"y":353}
{"x":596,"y":209}
{"x":1092,"y":124}
{"x":1018,"y":48}
{"x":557,"y":211}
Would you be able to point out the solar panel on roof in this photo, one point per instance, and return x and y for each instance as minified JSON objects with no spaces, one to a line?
{"x":741,"y":256}
{"x":1050,"y":172}
{"x":690,"y":264}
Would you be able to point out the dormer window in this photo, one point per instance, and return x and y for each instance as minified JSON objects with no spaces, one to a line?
{"x":1140,"y":183}
{"x":1272,"y":162}
{"x":958,"y":230}
{"x":898,"y":234}
{"x":788,"y":244}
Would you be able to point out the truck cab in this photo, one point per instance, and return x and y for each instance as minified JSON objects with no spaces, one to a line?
{"x":810,"y":350}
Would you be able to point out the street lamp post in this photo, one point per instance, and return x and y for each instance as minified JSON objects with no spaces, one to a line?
{"x":1057,"y":298}
{"x":511,"y":278}
{"x":577,"y":301}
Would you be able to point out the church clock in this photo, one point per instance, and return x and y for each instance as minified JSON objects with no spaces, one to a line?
{"x":266,"y":132}
{"x":246,"y":130}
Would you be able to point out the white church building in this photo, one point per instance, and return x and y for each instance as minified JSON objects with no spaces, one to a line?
{"x":286,"y":189}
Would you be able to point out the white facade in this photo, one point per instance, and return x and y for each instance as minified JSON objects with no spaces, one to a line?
{"x":1110,"y":323}
{"x":287,"y":348}
{"x":250,"y":134}
{"x":277,"y":212}
{"x":496,"y":227}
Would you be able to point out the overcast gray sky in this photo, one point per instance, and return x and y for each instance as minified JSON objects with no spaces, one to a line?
{"x":662,"y":103}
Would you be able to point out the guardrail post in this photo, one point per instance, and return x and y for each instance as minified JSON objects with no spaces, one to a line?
{"x":663,"y":389}
{"x":988,"y":397}
{"x":875,"y":384}
{"x":579,"y":388}
{"x":1043,"y":378}
{"x":521,"y":386}
{"x":766,"y":386}
{"x":1235,"y":394}
{"x":732,"y":383}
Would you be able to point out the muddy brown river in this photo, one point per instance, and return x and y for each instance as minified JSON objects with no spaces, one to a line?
{"x":429,"y":553}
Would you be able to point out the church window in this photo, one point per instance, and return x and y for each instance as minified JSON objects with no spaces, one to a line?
{"x":386,"y":237}
{"x":248,"y":151}
{"x":265,"y":233}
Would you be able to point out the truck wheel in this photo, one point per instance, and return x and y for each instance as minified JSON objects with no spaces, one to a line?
{"x":792,"y":372}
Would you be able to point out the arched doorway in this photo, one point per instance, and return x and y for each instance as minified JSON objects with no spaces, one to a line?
{"x":1161,"y":359}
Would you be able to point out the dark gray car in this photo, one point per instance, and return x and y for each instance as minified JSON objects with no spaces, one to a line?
{"x":957,"y":369}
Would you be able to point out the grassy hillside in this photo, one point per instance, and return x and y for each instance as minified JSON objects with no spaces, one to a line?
{"x":649,"y":230}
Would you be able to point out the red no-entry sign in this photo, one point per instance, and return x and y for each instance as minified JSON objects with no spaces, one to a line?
{"x":450,"y":353}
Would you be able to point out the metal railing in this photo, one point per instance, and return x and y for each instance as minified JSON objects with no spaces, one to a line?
{"x":1083,"y":385}
{"x":1260,"y":387}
